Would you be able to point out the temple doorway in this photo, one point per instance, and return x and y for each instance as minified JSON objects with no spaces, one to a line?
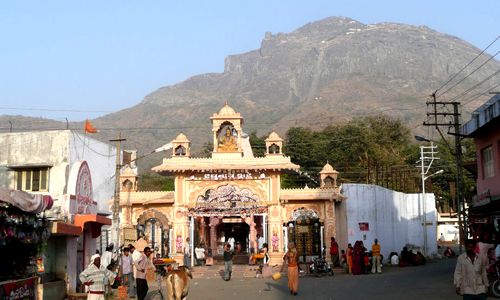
{"x":239,"y":230}
{"x":306,"y":231}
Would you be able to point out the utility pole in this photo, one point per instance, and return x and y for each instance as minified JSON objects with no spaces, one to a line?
{"x":457,"y":152}
{"x":116,"y":200}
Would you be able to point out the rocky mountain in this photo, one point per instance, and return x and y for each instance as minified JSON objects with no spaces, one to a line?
{"x":328,"y":71}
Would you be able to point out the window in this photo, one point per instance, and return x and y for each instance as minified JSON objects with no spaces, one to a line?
{"x":488,"y":167}
{"x":33,"y":180}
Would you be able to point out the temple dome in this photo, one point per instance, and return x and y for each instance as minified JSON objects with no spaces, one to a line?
{"x":328,"y":169}
{"x":181,"y":138}
{"x":274,"y":136}
{"x":227,"y":111}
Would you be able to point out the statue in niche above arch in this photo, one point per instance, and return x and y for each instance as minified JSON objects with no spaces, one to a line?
{"x":227,"y":143}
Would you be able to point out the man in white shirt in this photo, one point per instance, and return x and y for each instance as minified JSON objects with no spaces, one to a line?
{"x":260,"y":243}
{"x":470,"y":278}
{"x":135,"y":256}
{"x":126,"y":262}
{"x":230,"y":241}
{"x":94,"y":277}
{"x":107,"y":255}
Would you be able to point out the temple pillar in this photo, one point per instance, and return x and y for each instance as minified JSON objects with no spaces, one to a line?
{"x":253,"y":232}
{"x":329,"y":226}
{"x":203,"y":231}
{"x":214,"y":223}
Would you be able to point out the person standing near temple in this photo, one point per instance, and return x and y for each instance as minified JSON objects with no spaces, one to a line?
{"x":107,"y":256}
{"x":186,"y":251}
{"x":231,"y":241}
{"x":228,"y":262}
{"x":292,"y":258}
{"x":334,"y":252}
{"x":142,"y":265}
{"x":93,"y":277}
{"x":126,"y":262}
{"x":260,"y":243}
{"x":376,"y":257}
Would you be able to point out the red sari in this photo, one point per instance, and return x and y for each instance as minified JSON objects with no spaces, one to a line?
{"x":357,"y":261}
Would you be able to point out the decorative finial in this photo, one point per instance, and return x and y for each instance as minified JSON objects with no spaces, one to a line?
{"x":327,"y":162}
{"x":226,"y":103}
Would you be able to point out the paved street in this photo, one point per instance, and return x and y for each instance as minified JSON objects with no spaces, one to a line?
{"x":432,"y":281}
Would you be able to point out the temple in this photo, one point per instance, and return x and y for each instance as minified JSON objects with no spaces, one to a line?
{"x":233,"y":193}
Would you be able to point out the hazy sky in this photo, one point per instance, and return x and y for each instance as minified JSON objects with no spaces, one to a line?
{"x":108,"y":55}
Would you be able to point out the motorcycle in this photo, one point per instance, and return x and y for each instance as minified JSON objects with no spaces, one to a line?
{"x":320,"y":266}
{"x":493,"y":272}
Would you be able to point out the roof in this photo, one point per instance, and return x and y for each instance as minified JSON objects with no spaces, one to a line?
{"x":226,"y":111}
{"x":170,"y":166}
{"x":274,"y":137}
{"x":486,"y":115}
{"x":324,"y":193}
{"x":181,"y":138}
{"x":328,"y":169}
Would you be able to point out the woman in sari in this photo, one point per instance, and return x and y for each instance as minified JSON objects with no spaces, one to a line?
{"x":349,"y":258}
{"x":357,"y":266}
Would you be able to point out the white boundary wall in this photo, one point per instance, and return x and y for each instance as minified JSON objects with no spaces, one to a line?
{"x":394,"y":218}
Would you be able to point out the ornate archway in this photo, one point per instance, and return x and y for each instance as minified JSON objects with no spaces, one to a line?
{"x":154,"y":227}
{"x":305,"y":231}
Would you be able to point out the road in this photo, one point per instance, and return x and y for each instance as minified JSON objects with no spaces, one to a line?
{"x":432,"y":281}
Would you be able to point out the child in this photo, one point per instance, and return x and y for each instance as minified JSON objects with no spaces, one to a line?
{"x":343,"y":259}
{"x":367,"y":264}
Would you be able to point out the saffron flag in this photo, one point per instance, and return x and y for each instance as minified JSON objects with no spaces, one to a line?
{"x":89,"y":128}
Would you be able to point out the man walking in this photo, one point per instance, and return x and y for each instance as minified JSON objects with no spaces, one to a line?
{"x":142,"y":265}
{"x":228,"y":262}
{"x":442,"y":239}
{"x":293,"y":268}
{"x":334,"y":252}
{"x":470,"y":277}
{"x":376,"y":257}
{"x":186,"y":251}
{"x":126,"y":263}
{"x":94,"y":276}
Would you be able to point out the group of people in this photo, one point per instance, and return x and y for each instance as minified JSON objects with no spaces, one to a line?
{"x":357,"y":259}
{"x":96,"y":276}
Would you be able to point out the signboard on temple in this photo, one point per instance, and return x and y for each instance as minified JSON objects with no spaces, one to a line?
{"x":80,"y":183}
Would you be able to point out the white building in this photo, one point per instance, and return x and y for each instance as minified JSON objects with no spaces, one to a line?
{"x":394,"y":218}
{"x":78,"y":173}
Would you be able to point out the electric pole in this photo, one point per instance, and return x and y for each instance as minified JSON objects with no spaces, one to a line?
{"x":116,"y":200}
{"x":457,"y":152}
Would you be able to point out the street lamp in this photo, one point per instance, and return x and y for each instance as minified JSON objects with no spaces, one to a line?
{"x":424,"y":171}
{"x":459,"y":180}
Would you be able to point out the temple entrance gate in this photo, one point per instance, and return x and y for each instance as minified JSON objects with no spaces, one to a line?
{"x":154,"y":227}
{"x":306,"y":231}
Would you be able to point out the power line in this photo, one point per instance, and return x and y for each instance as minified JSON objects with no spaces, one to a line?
{"x":468,"y":75}
{"x":468,"y":64}
{"x":65,"y":110}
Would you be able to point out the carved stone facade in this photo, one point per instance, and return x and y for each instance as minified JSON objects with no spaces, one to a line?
{"x":232,"y":194}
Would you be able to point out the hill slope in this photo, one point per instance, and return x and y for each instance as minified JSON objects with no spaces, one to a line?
{"x":327,"y":71}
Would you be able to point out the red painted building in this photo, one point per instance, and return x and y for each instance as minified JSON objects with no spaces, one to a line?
{"x":484,"y":128}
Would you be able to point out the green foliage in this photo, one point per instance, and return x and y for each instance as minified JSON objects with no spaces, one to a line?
{"x":258,"y":144}
{"x":154,"y":182}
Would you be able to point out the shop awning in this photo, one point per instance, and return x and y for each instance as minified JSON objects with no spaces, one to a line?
{"x":91,"y":222}
{"x":31,"y":203}
{"x":61,"y":228}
